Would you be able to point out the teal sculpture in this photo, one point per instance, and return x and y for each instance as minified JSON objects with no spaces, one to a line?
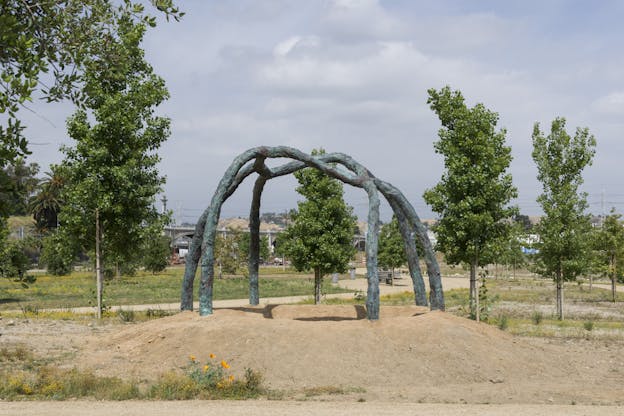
{"x":336,"y":165}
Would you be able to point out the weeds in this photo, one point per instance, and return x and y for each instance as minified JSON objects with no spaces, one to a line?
{"x":503,"y":322}
{"x":588,"y":325}
{"x":537,"y":317}
{"x":126,"y":315}
{"x":210,"y":380}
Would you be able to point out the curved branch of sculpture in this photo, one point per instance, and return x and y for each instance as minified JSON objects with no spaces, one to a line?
{"x":358,"y":176}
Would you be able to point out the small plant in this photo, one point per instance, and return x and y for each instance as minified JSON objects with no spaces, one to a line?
{"x":157,"y":313}
{"x":588,"y":325}
{"x":537,"y":317}
{"x":126,"y":315}
{"x":503,"y":322}
{"x":30,"y":311}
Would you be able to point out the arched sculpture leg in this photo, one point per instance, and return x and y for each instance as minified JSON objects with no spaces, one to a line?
{"x":254,"y":241}
{"x":436,"y":295}
{"x":192,"y":258}
{"x":420,"y":294}
{"x":372,"y":243}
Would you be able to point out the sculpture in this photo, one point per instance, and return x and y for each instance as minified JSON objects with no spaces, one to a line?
{"x":253,"y":160}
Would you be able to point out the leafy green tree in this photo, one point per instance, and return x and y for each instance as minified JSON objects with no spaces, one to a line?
{"x":391,"y":251}
{"x":58,"y":253}
{"x":156,"y":254}
{"x":111,"y":177}
{"x":473,"y":194}
{"x":54,"y":38}
{"x":609,"y":247}
{"x":320,"y":236}
{"x":563,"y":245}
{"x":242,"y":246}
{"x":226,"y":253}
{"x":19,"y":185}
{"x":13,"y":259}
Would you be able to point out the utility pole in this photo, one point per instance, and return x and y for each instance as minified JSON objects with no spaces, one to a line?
{"x":164,"y":202}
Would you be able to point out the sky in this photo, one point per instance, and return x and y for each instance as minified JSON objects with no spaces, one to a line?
{"x":352,"y":76}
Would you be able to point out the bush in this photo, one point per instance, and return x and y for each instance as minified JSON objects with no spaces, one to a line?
{"x":537,"y":317}
{"x":57,"y":254}
{"x":588,"y":325}
{"x":14,"y":262}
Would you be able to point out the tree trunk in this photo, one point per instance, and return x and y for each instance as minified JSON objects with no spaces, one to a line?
{"x":613,"y":278}
{"x":473,"y":289}
{"x":559,"y":296}
{"x":98,"y":265}
{"x":318,"y":278}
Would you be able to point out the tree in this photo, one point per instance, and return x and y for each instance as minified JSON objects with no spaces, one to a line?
{"x":19,"y":184}
{"x":156,"y":254}
{"x":242,"y":247}
{"x":226,"y":253}
{"x":391,"y":252}
{"x":55,"y":38}
{"x":473,"y":194}
{"x":320,"y":236}
{"x":563,"y":230}
{"x":609,"y":245}
{"x":46,"y":204}
{"x":111,"y":179}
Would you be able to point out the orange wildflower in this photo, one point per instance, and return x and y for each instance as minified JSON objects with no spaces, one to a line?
{"x":206,"y":367}
{"x":224,"y":364}
{"x":212,"y":356}
{"x":192,"y":358}
{"x":231,"y":378}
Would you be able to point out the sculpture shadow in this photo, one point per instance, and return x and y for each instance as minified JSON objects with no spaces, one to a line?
{"x":267,"y":313}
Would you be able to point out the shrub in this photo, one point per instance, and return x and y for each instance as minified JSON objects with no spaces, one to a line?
{"x":588,"y":325}
{"x":503,"y":322}
{"x":537,"y":317}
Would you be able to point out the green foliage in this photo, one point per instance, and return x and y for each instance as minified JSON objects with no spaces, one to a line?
{"x":226,"y":254}
{"x":564,"y":249}
{"x":391,"y":253}
{"x":564,"y":228}
{"x":14,"y":262}
{"x":320,"y":236}
{"x":46,"y":204}
{"x":17,"y":183}
{"x":58,"y":253}
{"x":156,"y":254}
{"x":59,"y":39}
{"x":242,"y":246}
{"x":473,"y":194}
{"x":537,"y":317}
{"x":608,"y":246}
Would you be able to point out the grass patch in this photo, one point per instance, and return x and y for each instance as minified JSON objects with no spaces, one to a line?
{"x":77,"y":290}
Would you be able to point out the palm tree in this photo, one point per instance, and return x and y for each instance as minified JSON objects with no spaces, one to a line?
{"x":46,"y":204}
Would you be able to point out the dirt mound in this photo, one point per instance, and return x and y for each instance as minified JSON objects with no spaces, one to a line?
{"x":407,"y":354}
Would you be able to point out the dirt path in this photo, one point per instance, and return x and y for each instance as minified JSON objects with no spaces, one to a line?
{"x":360,"y":284}
{"x":279,"y":408}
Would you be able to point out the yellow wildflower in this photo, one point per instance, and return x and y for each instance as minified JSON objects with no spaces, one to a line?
{"x":212,"y":356}
{"x":206,"y":367}
{"x":224,"y":364}
{"x":192,"y":358}
{"x":231,"y":378}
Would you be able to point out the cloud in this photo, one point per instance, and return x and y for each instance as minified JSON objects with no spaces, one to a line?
{"x":611,"y":104}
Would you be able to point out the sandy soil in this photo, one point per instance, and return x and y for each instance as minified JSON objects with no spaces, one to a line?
{"x":284,"y":408}
{"x":409,"y":356}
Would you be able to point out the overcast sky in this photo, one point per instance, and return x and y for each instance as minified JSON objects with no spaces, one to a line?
{"x":352,"y":76}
